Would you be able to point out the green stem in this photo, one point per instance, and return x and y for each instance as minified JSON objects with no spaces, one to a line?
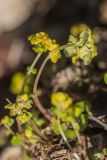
{"x":82,"y":148}
{"x":36,"y":100}
{"x":63,"y":135}
{"x":76,"y":132}
{"x":38,"y":131}
{"x":29,"y":71}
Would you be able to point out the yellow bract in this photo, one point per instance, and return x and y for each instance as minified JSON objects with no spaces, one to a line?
{"x":78,"y":28}
{"x":42,"y":43}
{"x":56,"y":55}
{"x":61,"y":99}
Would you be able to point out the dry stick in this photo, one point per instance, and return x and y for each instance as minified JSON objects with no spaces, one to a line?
{"x":76,"y":156}
{"x":98,"y":121}
{"x":36,"y":99}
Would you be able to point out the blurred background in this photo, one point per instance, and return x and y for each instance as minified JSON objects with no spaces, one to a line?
{"x":19,"y":19}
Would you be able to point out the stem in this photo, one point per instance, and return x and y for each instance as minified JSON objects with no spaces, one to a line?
{"x":36,"y":100}
{"x":38,"y":131}
{"x":82,"y":147}
{"x":20,"y":129}
{"x":29,"y":71}
{"x":63,"y":135}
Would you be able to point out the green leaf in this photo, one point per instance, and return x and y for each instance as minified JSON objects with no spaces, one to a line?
{"x":28,"y":132}
{"x":77,"y":110}
{"x":83,"y":122}
{"x":83,"y":38}
{"x":34,"y":71}
{"x":72,"y":39}
{"x":70,"y":133}
{"x":70,"y":51}
{"x":83,"y":119}
{"x":80,"y":107}
{"x":16,"y":82}
{"x":55,"y":126}
{"x":38,"y":49}
{"x":16,"y":139}
{"x":39,"y":121}
{"x":85,"y":55}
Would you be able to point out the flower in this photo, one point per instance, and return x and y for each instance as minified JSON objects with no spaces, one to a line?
{"x":23,"y":118}
{"x":42,"y":43}
{"x":60,"y":99}
{"x":7,"y":122}
{"x":82,"y":47}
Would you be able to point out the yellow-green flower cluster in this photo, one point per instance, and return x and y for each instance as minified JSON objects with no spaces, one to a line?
{"x":82,"y":47}
{"x":23,"y":118}
{"x":89,"y":50}
{"x":42,"y":43}
{"x":20,"y":108}
{"x":61,"y":99}
{"x":7,"y":122}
